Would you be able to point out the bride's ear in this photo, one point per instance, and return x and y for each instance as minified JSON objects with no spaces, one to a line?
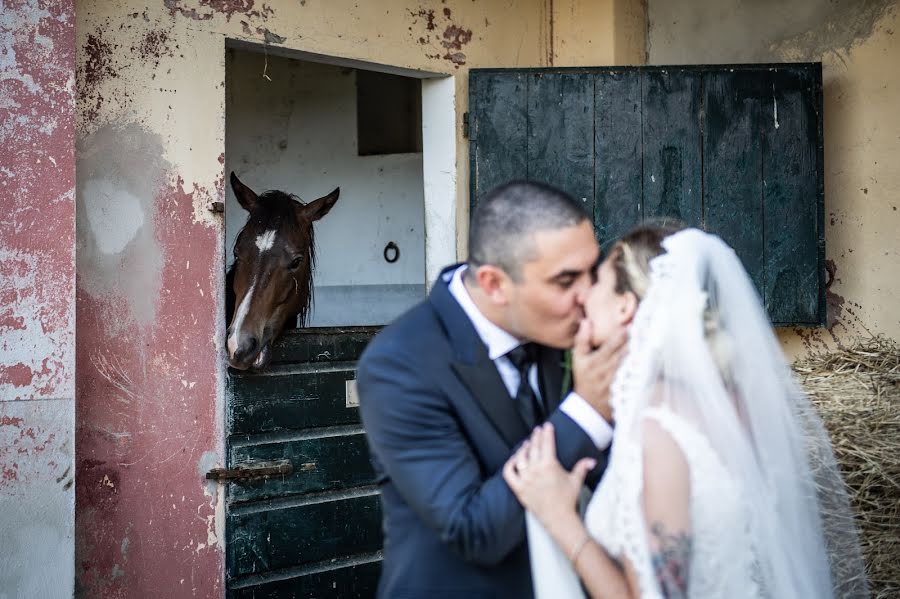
{"x":628,"y":305}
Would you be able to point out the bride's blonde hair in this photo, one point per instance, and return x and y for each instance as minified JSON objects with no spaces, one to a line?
{"x":630,"y":257}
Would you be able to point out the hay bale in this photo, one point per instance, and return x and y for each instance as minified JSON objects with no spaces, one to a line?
{"x":856,"y":391}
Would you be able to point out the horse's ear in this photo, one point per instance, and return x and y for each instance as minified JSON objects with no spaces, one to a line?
{"x":244,"y":194}
{"x":319,"y":208}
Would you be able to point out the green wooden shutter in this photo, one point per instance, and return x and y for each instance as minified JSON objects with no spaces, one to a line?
{"x":736,"y":150}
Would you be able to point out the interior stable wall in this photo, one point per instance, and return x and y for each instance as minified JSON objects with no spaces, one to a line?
{"x":858,"y":44}
{"x":297,"y":131}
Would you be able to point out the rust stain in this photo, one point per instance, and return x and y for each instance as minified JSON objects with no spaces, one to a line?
{"x":448,"y":45}
{"x":153,"y":46}
{"x":98,"y":65}
{"x":17,"y":375}
{"x":13,"y":323}
{"x":456,"y":37}
{"x":10,"y":421}
{"x":834,"y":303}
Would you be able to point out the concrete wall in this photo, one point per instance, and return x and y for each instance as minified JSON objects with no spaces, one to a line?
{"x":37,"y":298}
{"x":298,"y":133}
{"x":151,"y":156}
{"x":858,"y":43}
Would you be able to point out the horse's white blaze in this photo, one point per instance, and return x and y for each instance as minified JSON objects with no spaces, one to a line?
{"x":235,"y":337}
{"x":265,"y":241}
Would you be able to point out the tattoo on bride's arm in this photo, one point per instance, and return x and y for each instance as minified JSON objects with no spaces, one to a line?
{"x":671,"y":561}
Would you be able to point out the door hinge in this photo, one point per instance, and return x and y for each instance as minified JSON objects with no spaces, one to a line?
{"x":251,"y":471}
{"x":466,"y":125}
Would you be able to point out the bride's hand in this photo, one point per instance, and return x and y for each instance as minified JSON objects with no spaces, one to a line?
{"x":538,"y":479}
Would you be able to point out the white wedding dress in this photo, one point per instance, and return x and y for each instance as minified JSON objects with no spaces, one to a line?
{"x":757,"y":456}
{"x":723,"y":561}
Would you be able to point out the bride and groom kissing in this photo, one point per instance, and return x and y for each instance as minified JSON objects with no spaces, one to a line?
{"x":700,"y":465}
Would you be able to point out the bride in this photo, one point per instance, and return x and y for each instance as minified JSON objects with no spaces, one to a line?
{"x":721,"y":481}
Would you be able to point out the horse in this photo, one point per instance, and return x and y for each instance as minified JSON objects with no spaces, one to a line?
{"x":269,"y":285}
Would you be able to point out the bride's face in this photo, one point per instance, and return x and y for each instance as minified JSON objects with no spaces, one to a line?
{"x":608,"y":311}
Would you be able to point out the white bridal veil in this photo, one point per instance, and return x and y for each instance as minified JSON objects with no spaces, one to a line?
{"x":702,"y":346}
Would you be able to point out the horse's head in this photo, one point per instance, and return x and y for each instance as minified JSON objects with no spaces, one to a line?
{"x":271,"y":278}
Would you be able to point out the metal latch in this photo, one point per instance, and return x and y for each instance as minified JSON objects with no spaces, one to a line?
{"x":251,"y":471}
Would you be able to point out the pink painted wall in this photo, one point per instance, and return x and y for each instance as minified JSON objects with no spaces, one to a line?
{"x":149,"y":367}
{"x":37,"y":297}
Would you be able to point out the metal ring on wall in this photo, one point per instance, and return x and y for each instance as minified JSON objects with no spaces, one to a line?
{"x":391,"y":247}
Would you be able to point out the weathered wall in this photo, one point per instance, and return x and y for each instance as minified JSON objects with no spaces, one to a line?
{"x":858,"y":43}
{"x":37,"y":298}
{"x":150,"y":136}
{"x":598,"y":32}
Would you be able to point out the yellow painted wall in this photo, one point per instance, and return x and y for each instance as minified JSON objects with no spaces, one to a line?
{"x":150,"y":137}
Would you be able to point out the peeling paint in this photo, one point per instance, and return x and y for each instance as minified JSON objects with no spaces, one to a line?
{"x":451,"y":40}
{"x":37,"y":342}
{"x":138,"y":367}
{"x":209,"y":8}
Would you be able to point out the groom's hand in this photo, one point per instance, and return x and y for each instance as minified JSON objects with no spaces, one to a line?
{"x":593,"y":369}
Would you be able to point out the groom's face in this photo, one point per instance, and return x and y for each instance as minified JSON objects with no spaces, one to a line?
{"x":546,"y":304}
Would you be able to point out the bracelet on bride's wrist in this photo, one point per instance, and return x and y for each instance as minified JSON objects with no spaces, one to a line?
{"x":577,"y":551}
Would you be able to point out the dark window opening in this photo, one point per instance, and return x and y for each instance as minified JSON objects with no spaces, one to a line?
{"x":388,"y":114}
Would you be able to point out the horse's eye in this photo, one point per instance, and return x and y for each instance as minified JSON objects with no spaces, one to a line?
{"x":295,"y":263}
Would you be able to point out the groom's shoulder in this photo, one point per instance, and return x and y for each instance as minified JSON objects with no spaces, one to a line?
{"x":418,"y":332}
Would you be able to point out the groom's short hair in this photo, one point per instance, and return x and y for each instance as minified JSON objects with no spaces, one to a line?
{"x":501,"y":232}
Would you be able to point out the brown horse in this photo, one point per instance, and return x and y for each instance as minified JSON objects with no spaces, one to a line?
{"x":269,"y":286}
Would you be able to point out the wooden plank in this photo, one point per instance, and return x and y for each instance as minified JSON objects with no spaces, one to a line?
{"x":790,"y":155}
{"x":617,"y":153}
{"x":498,"y":125}
{"x":671,"y":144}
{"x":332,"y":344}
{"x":320,"y":464}
{"x":276,"y":538}
{"x":357,"y":581}
{"x":561,"y":133}
{"x":732,"y":164}
{"x":286,"y":398}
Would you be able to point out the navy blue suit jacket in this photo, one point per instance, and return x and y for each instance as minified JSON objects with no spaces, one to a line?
{"x":440,"y":425}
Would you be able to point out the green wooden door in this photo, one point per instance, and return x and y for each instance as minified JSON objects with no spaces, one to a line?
{"x":315,"y":531}
{"x":733,"y":149}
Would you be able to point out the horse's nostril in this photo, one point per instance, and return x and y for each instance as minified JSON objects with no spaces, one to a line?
{"x":246,"y":348}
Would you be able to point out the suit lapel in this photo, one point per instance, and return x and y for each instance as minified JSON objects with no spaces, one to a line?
{"x":486,"y":386}
{"x":474,"y":367}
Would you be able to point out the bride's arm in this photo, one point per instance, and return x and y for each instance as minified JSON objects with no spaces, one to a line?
{"x":601,"y":575}
{"x":545,"y":489}
{"x":667,"y":495}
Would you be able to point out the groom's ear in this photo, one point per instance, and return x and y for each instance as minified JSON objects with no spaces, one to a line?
{"x":493,"y":282}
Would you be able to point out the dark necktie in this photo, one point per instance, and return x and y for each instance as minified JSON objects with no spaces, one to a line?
{"x":527,"y":402}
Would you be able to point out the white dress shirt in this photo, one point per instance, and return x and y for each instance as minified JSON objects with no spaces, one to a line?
{"x":500,"y":342}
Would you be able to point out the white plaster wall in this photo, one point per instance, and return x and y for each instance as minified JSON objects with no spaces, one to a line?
{"x":297,"y":133}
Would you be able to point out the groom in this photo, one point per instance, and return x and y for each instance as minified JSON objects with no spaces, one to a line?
{"x":451,"y":388}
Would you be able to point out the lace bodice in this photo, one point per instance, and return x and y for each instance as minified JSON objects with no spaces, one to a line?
{"x":722,"y":559}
